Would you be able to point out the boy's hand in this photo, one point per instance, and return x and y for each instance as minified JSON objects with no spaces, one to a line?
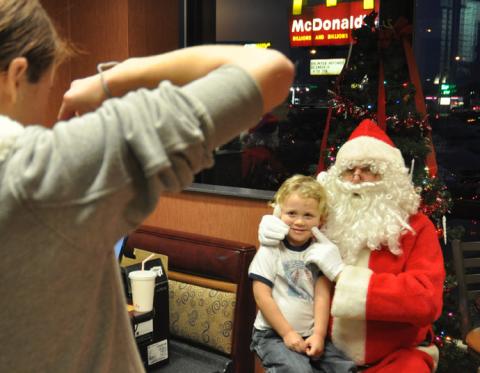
{"x":271,"y":231}
{"x":315,"y":346}
{"x":295,"y":342}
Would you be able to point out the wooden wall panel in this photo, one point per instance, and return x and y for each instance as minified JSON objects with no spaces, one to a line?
{"x":109,"y":30}
{"x":225,"y":217}
{"x":153,"y":26}
{"x":59,"y":11}
{"x":100,"y":30}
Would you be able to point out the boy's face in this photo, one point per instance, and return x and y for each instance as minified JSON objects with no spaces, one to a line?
{"x":301,"y":215}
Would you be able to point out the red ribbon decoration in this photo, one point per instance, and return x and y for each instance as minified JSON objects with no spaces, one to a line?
{"x":403,"y":30}
{"x":323,"y":146}
{"x":431,"y":160}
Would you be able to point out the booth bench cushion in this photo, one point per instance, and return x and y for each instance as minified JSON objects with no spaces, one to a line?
{"x":202,"y":315}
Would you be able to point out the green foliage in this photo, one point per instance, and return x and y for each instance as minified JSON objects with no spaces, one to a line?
{"x":455,"y":360}
{"x":454,"y":357}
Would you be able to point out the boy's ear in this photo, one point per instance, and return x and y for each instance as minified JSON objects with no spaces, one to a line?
{"x":13,"y":77}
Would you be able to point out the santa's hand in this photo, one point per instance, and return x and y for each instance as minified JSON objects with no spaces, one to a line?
{"x":325,"y":255}
{"x":320,"y":237}
{"x":271,"y":230}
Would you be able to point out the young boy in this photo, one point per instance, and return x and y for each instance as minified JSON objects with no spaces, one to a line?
{"x":294,"y":298}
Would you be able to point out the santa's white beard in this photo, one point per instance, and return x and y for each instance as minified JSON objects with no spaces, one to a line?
{"x":370,"y":214}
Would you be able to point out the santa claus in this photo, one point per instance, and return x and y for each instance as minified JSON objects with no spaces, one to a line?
{"x":386,"y":263}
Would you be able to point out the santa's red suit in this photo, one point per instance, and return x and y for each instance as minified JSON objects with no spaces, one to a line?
{"x":384,"y":305}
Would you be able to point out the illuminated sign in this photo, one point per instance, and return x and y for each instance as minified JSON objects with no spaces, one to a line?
{"x":331,"y":66}
{"x":263,"y":45}
{"x":297,"y":7}
{"x":444,"y":101}
{"x":447,"y":89}
{"x":328,"y":24}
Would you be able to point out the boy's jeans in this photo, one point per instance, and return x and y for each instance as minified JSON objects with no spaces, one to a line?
{"x":277,"y":358}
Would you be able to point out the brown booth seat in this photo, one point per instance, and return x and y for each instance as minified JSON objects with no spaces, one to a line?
{"x":196,"y":265}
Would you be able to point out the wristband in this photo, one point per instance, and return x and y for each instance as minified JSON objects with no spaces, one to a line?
{"x":101,"y":67}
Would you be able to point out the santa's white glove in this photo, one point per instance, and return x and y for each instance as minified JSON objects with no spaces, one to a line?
{"x":325,"y":255}
{"x":271,"y":230}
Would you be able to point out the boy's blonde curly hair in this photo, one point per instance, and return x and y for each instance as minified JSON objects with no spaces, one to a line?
{"x":304,"y":186}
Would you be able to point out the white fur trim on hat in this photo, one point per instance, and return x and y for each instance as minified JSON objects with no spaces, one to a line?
{"x":366,"y":148}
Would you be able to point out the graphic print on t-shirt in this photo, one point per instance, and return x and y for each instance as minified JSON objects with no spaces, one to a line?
{"x":299,"y":278}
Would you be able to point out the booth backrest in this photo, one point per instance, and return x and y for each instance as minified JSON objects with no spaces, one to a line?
{"x":212,"y":272}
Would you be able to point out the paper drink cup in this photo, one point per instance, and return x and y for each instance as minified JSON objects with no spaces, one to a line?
{"x":143,"y":286}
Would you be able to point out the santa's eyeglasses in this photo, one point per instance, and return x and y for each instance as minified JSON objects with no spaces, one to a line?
{"x":361,"y":170}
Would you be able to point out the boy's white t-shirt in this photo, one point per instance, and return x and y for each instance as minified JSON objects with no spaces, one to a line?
{"x":283,"y":269}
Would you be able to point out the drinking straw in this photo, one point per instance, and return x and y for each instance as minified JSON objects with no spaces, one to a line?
{"x":147,"y":259}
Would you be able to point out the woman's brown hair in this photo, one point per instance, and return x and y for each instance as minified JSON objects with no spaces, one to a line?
{"x":27,"y":31}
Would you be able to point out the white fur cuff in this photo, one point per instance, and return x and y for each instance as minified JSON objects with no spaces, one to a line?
{"x":350,"y":297}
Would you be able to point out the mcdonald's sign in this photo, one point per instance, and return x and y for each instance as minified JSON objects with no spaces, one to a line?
{"x":330,"y":23}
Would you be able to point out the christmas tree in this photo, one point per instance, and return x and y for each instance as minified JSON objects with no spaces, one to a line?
{"x":379,"y":81}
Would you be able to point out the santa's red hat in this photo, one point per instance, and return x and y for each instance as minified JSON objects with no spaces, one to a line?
{"x":368,"y":142}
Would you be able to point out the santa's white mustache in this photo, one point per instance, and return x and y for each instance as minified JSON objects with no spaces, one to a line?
{"x":361,"y":189}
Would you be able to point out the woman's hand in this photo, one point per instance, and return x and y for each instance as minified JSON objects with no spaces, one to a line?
{"x":84,"y":95}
